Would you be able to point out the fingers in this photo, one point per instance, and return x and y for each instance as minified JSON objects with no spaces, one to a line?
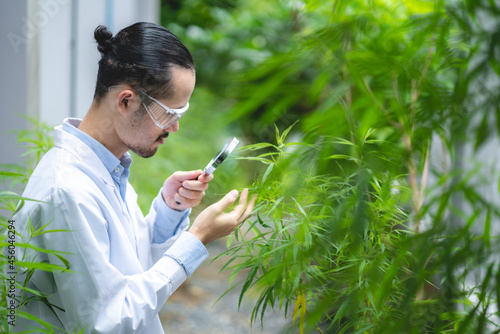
{"x":242,"y":204}
{"x":243,"y":210}
{"x":213,"y":223}
{"x":188,"y":198}
{"x":186,"y":189}
{"x":226,"y":201}
{"x":205,"y":178}
{"x":184,"y":203}
{"x":197,"y":175}
{"x":190,"y":175}
{"x":195,"y":185}
{"x":249,"y":208}
{"x":191,"y":189}
{"x":191,"y":194}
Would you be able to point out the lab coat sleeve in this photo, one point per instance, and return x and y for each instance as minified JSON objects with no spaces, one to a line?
{"x":97,"y":295}
{"x":166,"y":225}
{"x":166,"y":221}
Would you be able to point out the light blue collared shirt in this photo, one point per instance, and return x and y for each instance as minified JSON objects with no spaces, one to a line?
{"x":117,"y":168}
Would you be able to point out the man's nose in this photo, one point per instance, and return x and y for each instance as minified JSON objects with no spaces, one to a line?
{"x":173,"y":128}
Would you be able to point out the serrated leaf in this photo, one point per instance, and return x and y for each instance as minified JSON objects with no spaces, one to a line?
{"x":255,"y":147}
{"x":41,"y":266}
{"x":296,"y":309}
{"x":343,"y":157}
{"x":268,"y":171}
{"x":342,"y":141}
{"x":303,"y":309}
{"x":268,"y":301}
{"x":487,"y":230}
{"x":248,"y":282}
{"x":261,"y":222}
{"x":482,"y":132}
{"x":229,"y":241}
{"x":263,"y":160}
{"x":285,"y":133}
{"x":11,"y":174}
{"x":368,"y":134}
{"x":301,"y":209}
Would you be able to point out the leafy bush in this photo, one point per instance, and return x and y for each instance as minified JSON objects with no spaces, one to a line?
{"x":373,"y":221}
{"x":37,"y":141}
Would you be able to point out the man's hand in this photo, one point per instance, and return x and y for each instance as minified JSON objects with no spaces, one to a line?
{"x":184,"y":188}
{"x":212,"y":223}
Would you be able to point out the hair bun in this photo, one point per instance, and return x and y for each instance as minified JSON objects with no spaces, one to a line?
{"x":103,"y":37}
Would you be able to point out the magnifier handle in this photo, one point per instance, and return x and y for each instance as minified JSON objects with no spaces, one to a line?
{"x":179,"y":203}
{"x":204,"y":172}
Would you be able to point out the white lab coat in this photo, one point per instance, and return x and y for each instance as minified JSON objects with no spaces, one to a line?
{"x":120,"y":279}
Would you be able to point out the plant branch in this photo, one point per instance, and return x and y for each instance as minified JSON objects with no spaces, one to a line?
{"x":374,"y":98}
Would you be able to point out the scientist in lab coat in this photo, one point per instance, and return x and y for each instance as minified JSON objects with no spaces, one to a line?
{"x":123,"y":265}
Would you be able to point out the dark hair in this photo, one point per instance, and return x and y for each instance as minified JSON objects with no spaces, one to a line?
{"x":141,"y":56}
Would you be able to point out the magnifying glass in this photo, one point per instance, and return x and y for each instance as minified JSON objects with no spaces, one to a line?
{"x":221,"y":156}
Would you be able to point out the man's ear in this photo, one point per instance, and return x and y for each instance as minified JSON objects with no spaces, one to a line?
{"x":126,"y":101}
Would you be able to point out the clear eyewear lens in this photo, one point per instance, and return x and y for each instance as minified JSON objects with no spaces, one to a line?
{"x":162,"y":115}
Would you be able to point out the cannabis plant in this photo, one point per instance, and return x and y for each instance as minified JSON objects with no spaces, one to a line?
{"x":370,"y":219}
{"x":19,"y":255}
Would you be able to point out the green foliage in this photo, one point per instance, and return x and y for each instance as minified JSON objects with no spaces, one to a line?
{"x":360,"y":227}
{"x":37,"y":141}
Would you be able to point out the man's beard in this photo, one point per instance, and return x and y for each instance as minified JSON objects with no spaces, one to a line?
{"x":146,"y":152}
{"x":139,"y":115}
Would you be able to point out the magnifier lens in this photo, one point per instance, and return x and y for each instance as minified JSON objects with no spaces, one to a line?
{"x":221,"y":156}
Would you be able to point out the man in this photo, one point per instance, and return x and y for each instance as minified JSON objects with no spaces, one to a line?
{"x":123,"y":266}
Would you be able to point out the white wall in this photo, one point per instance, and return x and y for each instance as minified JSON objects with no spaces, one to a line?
{"x":49,"y":57}
{"x":68,"y":71}
{"x":13,"y":95}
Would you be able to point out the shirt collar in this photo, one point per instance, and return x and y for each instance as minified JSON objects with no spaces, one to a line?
{"x":109,"y":160}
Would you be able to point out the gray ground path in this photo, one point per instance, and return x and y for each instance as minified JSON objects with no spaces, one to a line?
{"x":191,"y":308}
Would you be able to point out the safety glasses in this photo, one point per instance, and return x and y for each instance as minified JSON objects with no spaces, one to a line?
{"x":162,"y":115}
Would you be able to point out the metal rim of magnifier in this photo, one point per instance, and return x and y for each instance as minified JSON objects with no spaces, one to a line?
{"x":221,"y":156}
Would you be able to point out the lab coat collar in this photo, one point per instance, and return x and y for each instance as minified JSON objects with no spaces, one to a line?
{"x":109,"y":160}
{"x":82,"y":152}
